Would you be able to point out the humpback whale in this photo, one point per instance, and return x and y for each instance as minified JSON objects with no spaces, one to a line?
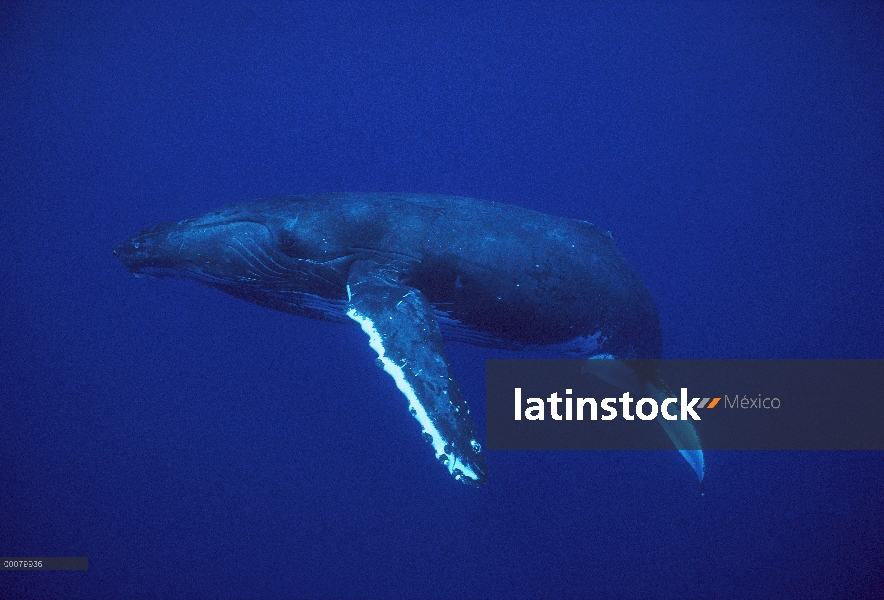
{"x":413,"y":270}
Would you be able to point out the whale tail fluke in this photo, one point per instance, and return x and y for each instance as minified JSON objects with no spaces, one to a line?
{"x":622,"y":375}
{"x":682,"y":433}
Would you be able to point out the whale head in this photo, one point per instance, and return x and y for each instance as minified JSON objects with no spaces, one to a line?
{"x":235,"y":246}
{"x":218,"y":246}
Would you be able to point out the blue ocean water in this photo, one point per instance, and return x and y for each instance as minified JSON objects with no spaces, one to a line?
{"x":194,"y":445}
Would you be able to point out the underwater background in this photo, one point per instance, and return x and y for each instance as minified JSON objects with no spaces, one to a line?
{"x":194,"y":445}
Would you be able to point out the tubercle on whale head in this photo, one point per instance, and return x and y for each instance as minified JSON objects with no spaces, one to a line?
{"x":145,"y":249}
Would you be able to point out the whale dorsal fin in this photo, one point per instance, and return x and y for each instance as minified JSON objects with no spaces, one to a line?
{"x":403,"y":331}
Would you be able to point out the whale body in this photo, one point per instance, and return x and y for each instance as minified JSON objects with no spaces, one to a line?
{"x":413,"y":270}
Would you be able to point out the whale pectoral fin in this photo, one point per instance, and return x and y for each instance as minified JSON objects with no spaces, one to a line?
{"x":682,"y":433}
{"x":403,"y":331}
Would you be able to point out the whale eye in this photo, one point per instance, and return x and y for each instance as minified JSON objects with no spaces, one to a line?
{"x":290,"y":245}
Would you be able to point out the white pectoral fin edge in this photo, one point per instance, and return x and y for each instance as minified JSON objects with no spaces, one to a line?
{"x":402,"y":330}
{"x":414,"y":407}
